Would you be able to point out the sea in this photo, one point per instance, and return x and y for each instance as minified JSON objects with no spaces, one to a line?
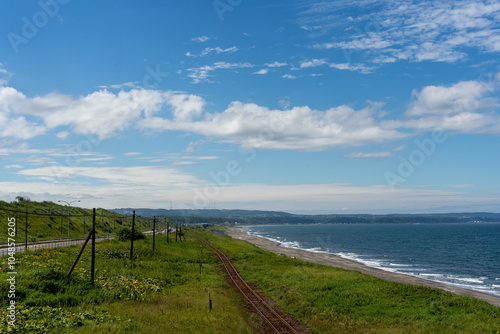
{"x":465,"y":255}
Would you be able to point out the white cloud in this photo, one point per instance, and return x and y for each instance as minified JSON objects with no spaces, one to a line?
{"x":276,"y":64}
{"x":203,"y":73}
{"x":299,"y":128}
{"x":101,"y":113}
{"x":4,"y":75}
{"x":407,"y":29}
{"x":152,"y":176}
{"x":352,"y":67}
{"x":465,"y":96}
{"x":465,"y":107}
{"x":217,"y":50}
{"x":185,"y":106}
{"x":200,"y":39}
{"x":288,"y":76}
{"x":62,"y":135}
{"x":372,"y":41}
{"x":125,"y":85}
{"x":11,"y":124}
{"x":370,"y":155}
{"x":132,"y":154}
{"x":262,"y":71}
{"x":339,"y":66}
{"x":312,"y":63}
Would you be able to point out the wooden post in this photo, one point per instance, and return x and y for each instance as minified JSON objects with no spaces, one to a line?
{"x":132,"y":237}
{"x":154,"y":232}
{"x":168,"y":227}
{"x":79,"y":254}
{"x":26,"y":232}
{"x":92,"y":265}
{"x":209,"y":301}
{"x":17,"y":203}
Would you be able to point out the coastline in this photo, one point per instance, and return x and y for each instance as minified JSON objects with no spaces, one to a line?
{"x":335,"y":261}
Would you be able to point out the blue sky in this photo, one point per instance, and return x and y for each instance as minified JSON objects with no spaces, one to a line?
{"x":303,"y":106}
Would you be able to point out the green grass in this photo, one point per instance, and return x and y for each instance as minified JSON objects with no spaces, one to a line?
{"x":332,"y":300}
{"x":158,"y":292}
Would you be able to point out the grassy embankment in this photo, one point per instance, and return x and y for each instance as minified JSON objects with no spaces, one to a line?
{"x":55,"y":226}
{"x":164,"y":292}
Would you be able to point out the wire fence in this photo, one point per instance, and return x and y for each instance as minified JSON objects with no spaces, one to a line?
{"x":23,"y":222}
{"x":5,"y":251}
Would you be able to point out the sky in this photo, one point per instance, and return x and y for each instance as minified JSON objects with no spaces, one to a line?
{"x":303,"y":106}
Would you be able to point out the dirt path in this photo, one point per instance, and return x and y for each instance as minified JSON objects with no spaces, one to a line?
{"x":335,"y":261}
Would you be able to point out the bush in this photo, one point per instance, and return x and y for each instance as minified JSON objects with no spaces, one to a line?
{"x":125,"y":233}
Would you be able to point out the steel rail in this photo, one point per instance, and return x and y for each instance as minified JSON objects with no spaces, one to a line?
{"x":235,"y":276}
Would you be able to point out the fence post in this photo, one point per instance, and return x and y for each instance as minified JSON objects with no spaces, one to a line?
{"x":17,"y":203}
{"x":154,"y":232}
{"x":132,"y":237}
{"x":168,"y":228}
{"x":79,"y":254}
{"x":92,"y":265}
{"x":26,"y":232}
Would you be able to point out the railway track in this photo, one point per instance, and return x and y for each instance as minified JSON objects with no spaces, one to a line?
{"x":274,"y":322}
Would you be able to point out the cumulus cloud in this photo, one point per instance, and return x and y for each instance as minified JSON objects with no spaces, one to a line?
{"x":299,"y":128}
{"x":464,"y":96}
{"x":101,"y":113}
{"x":463,"y":107}
{"x":12,"y":124}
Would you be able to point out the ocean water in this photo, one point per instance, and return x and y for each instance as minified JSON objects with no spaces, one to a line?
{"x":463,"y":255}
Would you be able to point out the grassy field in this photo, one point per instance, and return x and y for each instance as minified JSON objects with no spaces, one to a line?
{"x":156,"y":293}
{"x":165,"y":292}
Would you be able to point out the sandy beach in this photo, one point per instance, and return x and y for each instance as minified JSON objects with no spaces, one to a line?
{"x":335,"y":261}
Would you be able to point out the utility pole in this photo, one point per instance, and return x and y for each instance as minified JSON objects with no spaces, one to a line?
{"x":68,"y":205}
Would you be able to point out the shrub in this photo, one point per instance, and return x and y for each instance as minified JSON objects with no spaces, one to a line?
{"x":125,"y":233}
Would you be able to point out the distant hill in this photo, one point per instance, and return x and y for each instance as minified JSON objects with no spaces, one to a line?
{"x":256,"y":217}
{"x":209,"y":213}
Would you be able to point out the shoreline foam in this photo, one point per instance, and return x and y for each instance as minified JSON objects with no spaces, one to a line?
{"x":333,"y":260}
